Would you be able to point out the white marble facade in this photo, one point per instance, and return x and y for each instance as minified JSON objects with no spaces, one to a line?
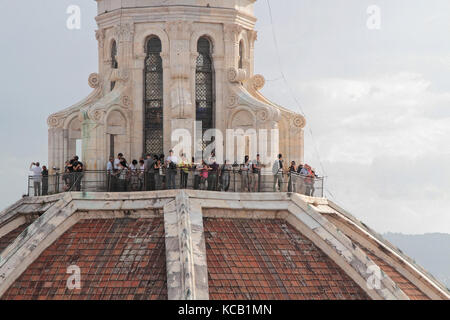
{"x":179,"y":24}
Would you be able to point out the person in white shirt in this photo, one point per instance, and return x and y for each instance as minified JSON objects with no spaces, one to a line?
{"x":134,"y":166}
{"x":141,"y":174}
{"x":277,"y":170}
{"x":110,"y":165}
{"x":118,"y":161}
{"x":172,"y":157}
{"x":212,"y":159}
{"x":110,"y":174}
{"x":172,"y":163}
{"x":37,"y":178}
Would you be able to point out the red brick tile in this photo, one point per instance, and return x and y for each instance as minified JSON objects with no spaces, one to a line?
{"x":269,"y":259}
{"x":408,"y":288}
{"x":8,"y":239}
{"x":98,"y":247}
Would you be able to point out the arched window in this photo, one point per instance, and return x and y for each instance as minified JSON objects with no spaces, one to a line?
{"x":114,"y":63}
{"x":241,"y":54}
{"x":204,"y":85}
{"x":154,"y":98}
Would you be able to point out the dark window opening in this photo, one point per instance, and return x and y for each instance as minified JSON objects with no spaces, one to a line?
{"x":114,"y":63}
{"x":204,"y":86}
{"x":154,"y":98}
{"x":241,"y":54}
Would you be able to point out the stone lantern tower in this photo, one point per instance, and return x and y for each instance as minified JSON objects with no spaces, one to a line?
{"x":166,"y":65}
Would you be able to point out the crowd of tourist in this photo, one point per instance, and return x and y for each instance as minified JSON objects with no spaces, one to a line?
{"x":72,"y":176}
{"x":158,"y":172}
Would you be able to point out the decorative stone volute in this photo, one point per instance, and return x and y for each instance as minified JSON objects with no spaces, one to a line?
{"x":236,"y":75}
{"x":55,"y":121}
{"x":257,"y":82}
{"x":94,"y":80}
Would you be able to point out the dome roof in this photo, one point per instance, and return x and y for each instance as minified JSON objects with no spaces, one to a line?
{"x":235,"y":246}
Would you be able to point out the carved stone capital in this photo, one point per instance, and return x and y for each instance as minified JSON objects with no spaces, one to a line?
{"x":108,"y":61}
{"x":100,"y":36}
{"x":96,"y":115}
{"x":252,"y":37}
{"x":55,"y":121}
{"x":232,"y":31}
{"x":124,"y":32}
{"x":120,"y":75}
{"x":179,"y":29}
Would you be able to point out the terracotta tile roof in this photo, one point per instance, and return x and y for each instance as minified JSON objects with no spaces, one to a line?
{"x":6,"y":240}
{"x":118,"y":258}
{"x":403,"y":283}
{"x":408,"y":288}
{"x":269,"y":259}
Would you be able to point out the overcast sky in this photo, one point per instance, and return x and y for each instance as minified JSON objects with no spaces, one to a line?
{"x":377,"y":101}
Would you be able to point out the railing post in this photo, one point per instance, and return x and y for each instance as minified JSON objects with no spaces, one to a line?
{"x":57,"y":183}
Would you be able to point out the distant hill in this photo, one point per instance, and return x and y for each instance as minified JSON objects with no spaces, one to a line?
{"x":431,"y":251}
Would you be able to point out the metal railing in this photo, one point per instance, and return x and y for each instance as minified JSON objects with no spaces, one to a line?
{"x":234,"y":180}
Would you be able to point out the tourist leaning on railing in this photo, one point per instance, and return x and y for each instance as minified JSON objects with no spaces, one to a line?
{"x":292,"y":170}
{"x":36,"y":169}
{"x":256,"y":172}
{"x":44,"y":181}
{"x":196,"y":168}
{"x":172,"y":163}
{"x":246,"y":177}
{"x":204,"y":174}
{"x":133,"y":183}
{"x":225,"y":175}
{"x":78,"y":169}
{"x":277,"y":171}
{"x":157,"y":173}
{"x":149,"y":164}
{"x":185,"y":166}
{"x":213,"y":176}
{"x":141,"y":174}
{"x":122,"y":176}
